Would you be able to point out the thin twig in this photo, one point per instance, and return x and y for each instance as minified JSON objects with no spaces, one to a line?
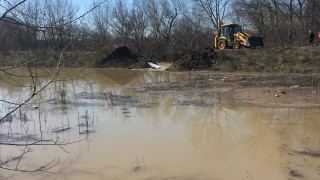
{"x":12,"y":8}
{"x":8,"y":102}
{"x":38,"y":91}
{"x":25,"y":151}
{"x":48,"y":142}
{"x":40,"y":28}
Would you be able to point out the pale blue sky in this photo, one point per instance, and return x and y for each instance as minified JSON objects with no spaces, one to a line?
{"x":83,"y":4}
{"x":87,"y":4}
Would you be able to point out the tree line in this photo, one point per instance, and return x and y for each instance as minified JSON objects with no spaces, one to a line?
{"x":161,"y":29}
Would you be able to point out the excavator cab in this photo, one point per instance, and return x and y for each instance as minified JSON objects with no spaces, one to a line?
{"x":229,"y":31}
{"x":232,"y":36}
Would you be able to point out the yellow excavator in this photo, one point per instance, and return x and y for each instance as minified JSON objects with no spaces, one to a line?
{"x":232,"y":36}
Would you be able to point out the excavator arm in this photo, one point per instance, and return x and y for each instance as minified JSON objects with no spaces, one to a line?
{"x":243,"y":37}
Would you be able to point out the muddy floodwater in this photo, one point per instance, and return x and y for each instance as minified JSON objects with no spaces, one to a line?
{"x":143,"y":124}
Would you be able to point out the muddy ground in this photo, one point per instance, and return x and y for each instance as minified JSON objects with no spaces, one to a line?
{"x":265,"y":89}
{"x":283,"y":90}
{"x":267,"y":76}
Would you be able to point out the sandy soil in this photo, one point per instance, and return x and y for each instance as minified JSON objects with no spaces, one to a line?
{"x":281,"y":90}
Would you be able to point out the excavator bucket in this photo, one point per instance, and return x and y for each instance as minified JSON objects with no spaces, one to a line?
{"x":256,"y":41}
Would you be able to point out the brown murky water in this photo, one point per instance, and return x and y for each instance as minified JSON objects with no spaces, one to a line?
{"x":154,"y":125}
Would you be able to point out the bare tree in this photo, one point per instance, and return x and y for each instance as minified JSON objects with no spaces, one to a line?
{"x":7,"y":15}
{"x":214,"y":10}
{"x":171,"y":11}
{"x":282,"y":23}
{"x":29,"y":14}
{"x":8,"y":7}
{"x":120,"y":25}
{"x":101,"y":19}
{"x":154,"y":14}
{"x":138,"y":23}
{"x":312,"y":11}
{"x":59,"y":16}
{"x":290,"y":36}
{"x":58,"y":23}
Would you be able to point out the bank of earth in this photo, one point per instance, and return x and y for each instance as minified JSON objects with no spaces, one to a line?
{"x":268,"y":76}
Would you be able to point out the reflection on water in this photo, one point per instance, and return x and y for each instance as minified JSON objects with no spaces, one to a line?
{"x":155,"y":125}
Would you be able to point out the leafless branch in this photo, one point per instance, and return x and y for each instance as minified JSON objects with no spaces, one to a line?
{"x":8,"y":102}
{"x":53,"y":24}
{"x":35,"y":92}
{"x":43,"y":142}
{"x":42,"y":168}
{"x":11,"y":8}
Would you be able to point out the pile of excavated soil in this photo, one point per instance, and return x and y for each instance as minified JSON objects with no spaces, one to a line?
{"x":278,"y":60}
{"x":122,"y":57}
{"x":201,"y":59}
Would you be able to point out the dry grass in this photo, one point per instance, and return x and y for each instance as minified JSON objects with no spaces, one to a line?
{"x":284,"y":60}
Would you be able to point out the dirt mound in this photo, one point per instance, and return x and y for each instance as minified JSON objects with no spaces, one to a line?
{"x":280,"y":60}
{"x":122,"y":57}
{"x":201,"y":59}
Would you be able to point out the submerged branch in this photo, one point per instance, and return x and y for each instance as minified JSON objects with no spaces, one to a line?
{"x":48,"y":142}
{"x":43,"y":168}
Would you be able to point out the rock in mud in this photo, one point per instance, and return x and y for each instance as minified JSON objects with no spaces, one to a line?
{"x":295,"y":173}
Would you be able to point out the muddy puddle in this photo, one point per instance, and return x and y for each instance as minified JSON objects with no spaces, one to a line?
{"x":132,"y":124}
